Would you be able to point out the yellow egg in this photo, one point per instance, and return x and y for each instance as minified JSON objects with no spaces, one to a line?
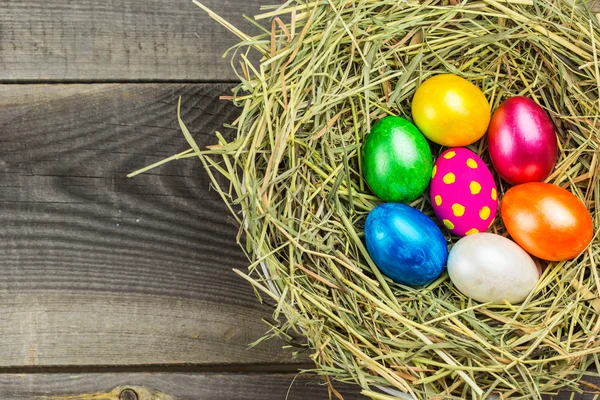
{"x":450,"y":110}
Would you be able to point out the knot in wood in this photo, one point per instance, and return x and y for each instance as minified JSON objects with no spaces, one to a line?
{"x":128,"y":394}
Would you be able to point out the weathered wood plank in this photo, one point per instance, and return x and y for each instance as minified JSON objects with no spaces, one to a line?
{"x":181,"y":386}
{"x":118,"y":40}
{"x":167,"y":386}
{"x":98,"y":269}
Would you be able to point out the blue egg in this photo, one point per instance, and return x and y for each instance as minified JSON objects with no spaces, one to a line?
{"x":406,"y":244}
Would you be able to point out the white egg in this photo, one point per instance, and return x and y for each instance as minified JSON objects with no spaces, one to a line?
{"x":492,"y":268}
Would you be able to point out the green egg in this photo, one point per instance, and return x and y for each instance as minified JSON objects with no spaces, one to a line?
{"x":397,"y":160}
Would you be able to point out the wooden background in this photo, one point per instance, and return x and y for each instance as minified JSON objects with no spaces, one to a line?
{"x":112,"y":288}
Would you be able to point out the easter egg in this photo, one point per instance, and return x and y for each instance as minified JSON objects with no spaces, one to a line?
{"x":405,"y":244}
{"x":463,"y":192}
{"x":521,"y":141}
{"x":397,"y":160}
{"x":492,"y":268}
{"x":450,"y":110}
{"x":547,"y":221}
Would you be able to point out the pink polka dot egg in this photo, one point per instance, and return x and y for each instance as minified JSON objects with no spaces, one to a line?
{"x":463,"y":192}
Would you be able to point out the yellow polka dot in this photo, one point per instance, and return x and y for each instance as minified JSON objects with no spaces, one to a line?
{"x":484,"y":213}
{"x":449,"y":178}
{"x":448,"y":224}
{"x":472,"y":231}
{"x":438,"y":200}
{"x":449,"y":155}
{"x":458,"y":209}
{"x":471,"y":163}
{"x":475,"y":187}
{"x":434,"y":171}
{"x":494,"y":194}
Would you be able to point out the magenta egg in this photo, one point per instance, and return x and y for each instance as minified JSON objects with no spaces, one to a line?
{"x":522,"y":142}
{"x":463,"y":192}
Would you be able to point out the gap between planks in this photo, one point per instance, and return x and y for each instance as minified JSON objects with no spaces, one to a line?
{"x":116,"y":81}
{"x":170,"y":368}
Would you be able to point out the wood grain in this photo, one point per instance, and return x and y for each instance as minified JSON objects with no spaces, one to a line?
{"x":118,"y":40}
{"x":98,"y":269}
{"x":167,"y":386}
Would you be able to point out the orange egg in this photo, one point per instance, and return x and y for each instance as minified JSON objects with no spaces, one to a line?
{"x":450,"y":110}
{"x":547,"y":221}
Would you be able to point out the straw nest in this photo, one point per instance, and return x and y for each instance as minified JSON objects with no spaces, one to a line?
{"x":328,"y":69}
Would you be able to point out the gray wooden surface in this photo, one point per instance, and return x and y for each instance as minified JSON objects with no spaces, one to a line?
{"x":117,"y":40}
{"x":99,"y":269}
{"x":108,"y":283}
{"x":164,"y":386}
